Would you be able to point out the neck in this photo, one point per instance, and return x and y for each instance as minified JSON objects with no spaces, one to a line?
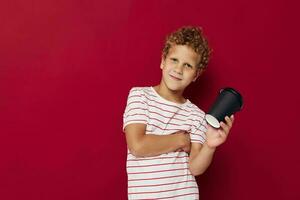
{"x":170,"y":95}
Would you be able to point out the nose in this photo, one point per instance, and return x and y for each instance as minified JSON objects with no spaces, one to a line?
{"x":178,"y":68}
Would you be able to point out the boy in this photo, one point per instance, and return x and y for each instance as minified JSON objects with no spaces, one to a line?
{"x":168,"y":139}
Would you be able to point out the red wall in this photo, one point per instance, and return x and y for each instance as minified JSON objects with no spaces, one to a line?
{"x":66,"y":68}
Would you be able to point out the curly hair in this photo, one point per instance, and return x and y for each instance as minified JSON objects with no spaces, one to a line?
{"x":194,"y":38}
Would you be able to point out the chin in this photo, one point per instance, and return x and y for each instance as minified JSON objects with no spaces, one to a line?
{"x":174,"y":88}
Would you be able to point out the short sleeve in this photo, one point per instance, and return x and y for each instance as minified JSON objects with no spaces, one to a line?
{"x":136,"y":108}
{"x":198,"y":128}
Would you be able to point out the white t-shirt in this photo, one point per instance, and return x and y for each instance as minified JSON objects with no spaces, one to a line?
{"x":166,"y":176}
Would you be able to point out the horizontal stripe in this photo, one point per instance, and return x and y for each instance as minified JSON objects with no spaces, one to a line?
{"x":197,"y":141}
{"x":170,"y":197}
{"x":154,"y":165}
{"x":152,"y":112}
{"x":165,"y":129}
{"x":172,"y":117}
{"x":163,"y":177}
{"x":135,"y":102}
{"x":153,"y":118}
{"x":145,"y":159}
{"x":157,"y":171}
{"x":152,"y":192}
{"x":172,"y":183}
{"x":197,"y":135}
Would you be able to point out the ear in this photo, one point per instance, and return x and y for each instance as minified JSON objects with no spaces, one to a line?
{"x":198,"y":73}
{"x":162,"y":63}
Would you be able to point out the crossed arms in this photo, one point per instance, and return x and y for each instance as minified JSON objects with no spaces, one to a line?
{"x":200,"y":156}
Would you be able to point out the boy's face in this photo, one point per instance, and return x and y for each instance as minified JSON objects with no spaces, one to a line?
{"x":179,"y":68}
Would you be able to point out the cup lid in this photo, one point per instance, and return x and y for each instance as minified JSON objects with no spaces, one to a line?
{"x":212,"y":121}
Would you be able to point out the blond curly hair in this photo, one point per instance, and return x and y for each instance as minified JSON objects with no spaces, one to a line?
{"x":194,"y":38}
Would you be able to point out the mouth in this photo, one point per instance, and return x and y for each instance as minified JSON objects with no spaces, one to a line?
{"x":175,"y":78}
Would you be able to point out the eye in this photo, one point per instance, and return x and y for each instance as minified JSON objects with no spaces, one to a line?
{"x":174,"y":60}
{"x":188,"y":65}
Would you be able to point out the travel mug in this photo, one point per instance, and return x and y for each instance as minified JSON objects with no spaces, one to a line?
{"x":228,"y":102}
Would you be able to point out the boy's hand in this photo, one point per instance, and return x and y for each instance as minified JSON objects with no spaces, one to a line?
{"x":184,"y":140}
{"x":215,"y":137}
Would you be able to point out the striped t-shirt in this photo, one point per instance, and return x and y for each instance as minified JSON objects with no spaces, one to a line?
{"x":166,"y":176}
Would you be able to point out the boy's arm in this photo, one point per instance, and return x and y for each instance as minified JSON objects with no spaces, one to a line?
{"x":200,"y":158}
{"x":201,"y":155}
{"x":145,"y":145}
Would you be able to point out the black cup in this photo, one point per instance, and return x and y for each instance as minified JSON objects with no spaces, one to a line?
{"x":228,"y":102}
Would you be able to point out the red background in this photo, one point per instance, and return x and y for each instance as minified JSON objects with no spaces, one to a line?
{"x":66,"y":68}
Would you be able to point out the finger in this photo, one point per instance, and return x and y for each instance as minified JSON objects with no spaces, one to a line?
{"x":225,"y":127}
{"x":232,"y":118}
{"x":228,"y":121}
{"x":223,"y":134}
